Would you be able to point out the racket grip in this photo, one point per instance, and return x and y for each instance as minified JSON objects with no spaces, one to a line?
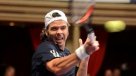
{"x":92,"y":36}
{"x":90,"y":32}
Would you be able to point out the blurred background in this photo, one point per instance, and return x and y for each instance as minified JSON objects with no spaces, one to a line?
{"x":114,"y":22}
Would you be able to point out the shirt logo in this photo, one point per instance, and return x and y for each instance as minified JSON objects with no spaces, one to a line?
{"x":54,"y":53}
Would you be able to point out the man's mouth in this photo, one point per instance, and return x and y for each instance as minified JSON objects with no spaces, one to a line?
{"x":59,"y":39}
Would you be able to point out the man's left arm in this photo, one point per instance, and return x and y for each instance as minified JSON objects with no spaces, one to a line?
{"x":83,"y":67}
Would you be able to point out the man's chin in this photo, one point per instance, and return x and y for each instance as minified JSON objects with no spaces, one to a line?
{"x":60,"y":43}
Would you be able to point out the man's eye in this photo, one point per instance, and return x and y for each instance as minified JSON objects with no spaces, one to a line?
{"x":53,"y":28}
{"x":63,"y":27}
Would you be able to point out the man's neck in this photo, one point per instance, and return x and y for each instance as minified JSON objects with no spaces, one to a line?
{"x":62,"y":47}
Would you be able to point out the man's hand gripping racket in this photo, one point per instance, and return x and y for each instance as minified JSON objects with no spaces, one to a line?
{"x":91,"y":44}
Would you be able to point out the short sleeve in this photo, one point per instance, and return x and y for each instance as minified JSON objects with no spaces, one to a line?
{"x":47,"y":52}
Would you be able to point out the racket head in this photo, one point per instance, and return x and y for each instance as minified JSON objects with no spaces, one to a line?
{"x":81,"y":10}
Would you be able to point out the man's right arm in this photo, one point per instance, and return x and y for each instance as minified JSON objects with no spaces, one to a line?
{"x":62,"y":65}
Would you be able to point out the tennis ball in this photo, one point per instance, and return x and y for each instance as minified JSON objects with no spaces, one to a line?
{"x":115,"y":26}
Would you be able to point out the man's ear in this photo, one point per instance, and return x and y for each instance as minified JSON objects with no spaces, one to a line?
{"x":45,"y":31}
{"x":68,"y":31}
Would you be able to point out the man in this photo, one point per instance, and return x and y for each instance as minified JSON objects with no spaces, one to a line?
{"x":7,"y":70}
{"x":52,"y":58}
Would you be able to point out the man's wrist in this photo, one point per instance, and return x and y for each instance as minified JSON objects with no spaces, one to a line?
{"x":81,"y":53}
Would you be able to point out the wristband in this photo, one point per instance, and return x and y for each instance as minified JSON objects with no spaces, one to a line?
{"x":81,"y":53}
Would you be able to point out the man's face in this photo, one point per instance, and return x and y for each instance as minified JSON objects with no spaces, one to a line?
{"x":58,"y":32}
{"x":10,"y":72}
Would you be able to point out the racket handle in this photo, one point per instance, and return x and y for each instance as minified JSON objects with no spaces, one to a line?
{"x":90,"y":32}
{"x":92,"y":36}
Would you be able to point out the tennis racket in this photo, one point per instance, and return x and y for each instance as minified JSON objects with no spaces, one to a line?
{"x":81,"y":11}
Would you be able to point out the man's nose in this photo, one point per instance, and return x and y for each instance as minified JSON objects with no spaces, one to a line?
{"x":59,"y":31}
